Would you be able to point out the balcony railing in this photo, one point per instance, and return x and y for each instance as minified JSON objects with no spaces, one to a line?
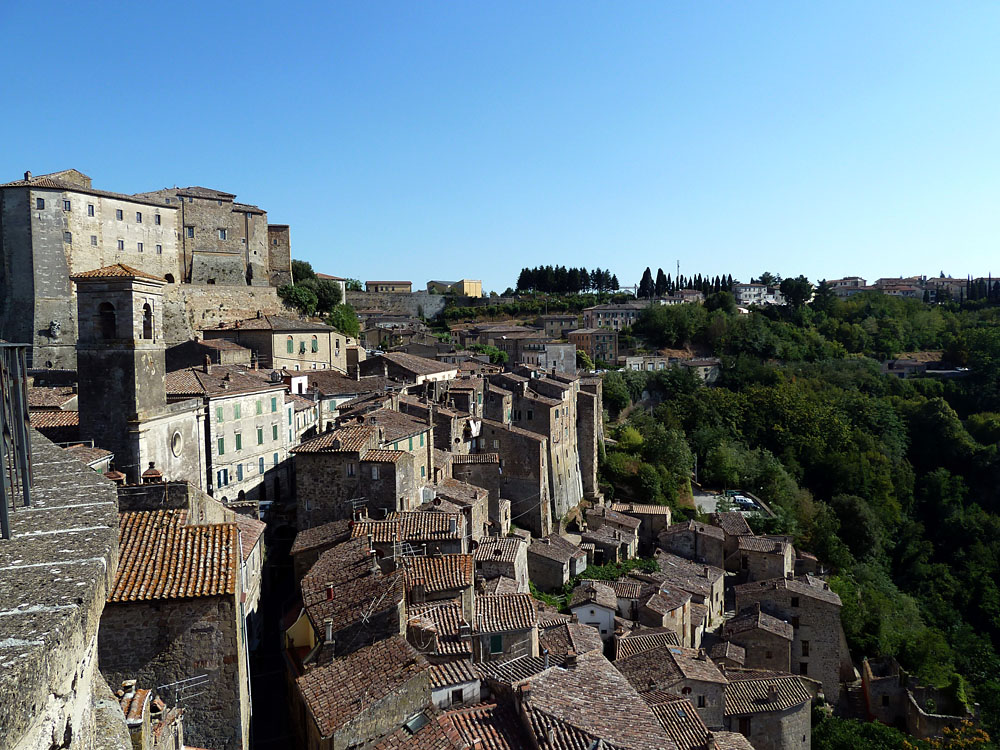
{"x":15,"y":449}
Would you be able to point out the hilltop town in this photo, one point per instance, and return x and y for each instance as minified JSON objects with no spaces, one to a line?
{"x":275,"y":507}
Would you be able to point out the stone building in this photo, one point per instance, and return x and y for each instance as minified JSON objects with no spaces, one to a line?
{"x":759,"y":558}
{"x":772,"y":710}
{"x":695,"y":541}
{"x":121,"y":368}
{"x":505,"y":627}
{"x":58,"y":225}
{"x":166,"y":621}
{"x":407,"y":368}
{"x":734,"y":525}
{"x":411,"y":532}
{"x":684,"y":671}
{"x":767,"y":640}
{"x":393,"y":287}
{"x":553,"y":560}
{"x":600,"y":344}
{"x":557,"y":325}
{"x":310,"y":543}
{"x":283,"y":342}
{"x":668,"y":607}
{"x":654,"y":518}
{"x":503,"y":556}
{"x":436,"y":578}
{"x":819,"y":647}
{"x":595,"y":604}
{"x":249,"y":431}
{"x":352,"y":701}
{"x":615,"y":316}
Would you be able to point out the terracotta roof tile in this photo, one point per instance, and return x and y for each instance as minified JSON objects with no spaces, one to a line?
{"x":643,"y":640}
{"x":320,"y":536}
{"x":446,"y":619}
{"x":751,"y":692}
{"x":336,"y":693}
{"x":761,"y":544}
{"x":727,"y":650}
{"x":487,"y":726}
{"x":384,"y":456}
{"x":732,"y":522}
{"x":451,"y":673}
{"x":731,"y":741}
{"x":501,"y":614}
{"x":439,"y":573}
{"x":223,"y":380}
{"x":679,"y":718}
{"x":88,"y":454}
{"x":555,"y":547}
{"x":116,"y":271}
{"x":563,"y":637}
{"x":810,"y":586}
{"x":475,"y":458}
{"x":251,"y":530}
{"x":40,"y":397}
{"x":411,"y":526}
{"x":353,"y":439}
{"x":42,"y":419}
{"x":344,"y":582}
{"x":752,"y":618}
{"x":643,"y":509}
{"x":160,"y":558}
{"x":587,"y":703}
{"x":499,"y":549}
{"x":594,"y":592}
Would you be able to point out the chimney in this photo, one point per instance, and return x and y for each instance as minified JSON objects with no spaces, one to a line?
{"x":374,"y":562}
{"x":206,"y":365}
{"x":27,"y":175}
{"x":128,"y":686}
{"x":702,"y":656}
{"x":570,"y":659}
{"x":545,"y":653}
{"x":772,"y":694}
{"x":329,"y":591}
{"x":574,"y":618}
{"x":328,"y":631}
{"x":452,"y":525}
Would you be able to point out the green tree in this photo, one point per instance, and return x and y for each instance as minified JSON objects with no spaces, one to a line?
{"x":344,"y":319}
{"x":299,"y":297}
{"x":796,"y":291}
{"x":353,"y":285}
{"x":328,"y":295}
{"x":302,"y":270}
{"x":583,"y":360}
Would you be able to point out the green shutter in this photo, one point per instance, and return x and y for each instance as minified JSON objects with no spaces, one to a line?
{"x":220,"y":414}
{"x":274,"y":404}
{"x":222,"y":446}
{"x":274,"y":432}
{"x":239,"y":441}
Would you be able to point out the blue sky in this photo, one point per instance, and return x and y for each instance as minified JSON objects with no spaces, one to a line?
{"x":424,"y":140}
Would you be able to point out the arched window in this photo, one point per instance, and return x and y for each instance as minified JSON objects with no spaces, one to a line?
{"x":147,"y":321}
{"x":170,"y":278}
{"x":290,"y":345}
{"x":107,"y":321}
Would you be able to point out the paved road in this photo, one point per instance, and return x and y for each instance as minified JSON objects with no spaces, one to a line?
{"x":705,"y":501}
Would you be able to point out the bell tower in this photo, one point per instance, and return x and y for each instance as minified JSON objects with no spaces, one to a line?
{"x":120,"y":355}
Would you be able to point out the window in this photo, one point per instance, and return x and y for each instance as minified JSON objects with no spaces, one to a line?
{"x":275,"y":459}
{"x":745,"y":726}
{"x":457,"y":696}
{"x":496,"y":644}
{"x":93,"y":240}
{"x":189,"y":231}
{"x":68,"y":237}
{"x":411,"y":445}
{"x":350,"y":469}
{"x":121,"y":244}
{"x":90,"y":209}
{"x":768,"y":655}
{"x":138,"y":217}
{"x":147,"y":322}
{"x":67,"y":206}
{"x":315,"y":344}
{"x":274,"y":404}
{"x":119,"y":214}
{"x":259,"y":406}
{"x":274,"y":432}
{"x":374,"y":472}
{"x":156,"y":220}
{"x":795,"y":622}
{"x":222,"y":234}
{"x":220,"y":414}
{"x":239,"y":472}
{"x":260,"y":465}
{"x":289,"y":416}
{"x":421,"y":440}
{"x":107,"y":321}
{"x":530,"y":414}
{"x":290,"y":345}
{"x":39,"y":203}
{"x":239,"y":441}
{"x":139,"y":246}
{"x":222,"y":446}
{"x":260,"y":437}
{"x":701,"y":701}
{"x":237,"y":411}
{"x":423,"y":472}
{"x":795,"y":601}
{"x":159,"y":249}
{"x":805,"y":648}
{"x":496,"y":443}
{"x":803,"y":668}
{"x":885,"y":700}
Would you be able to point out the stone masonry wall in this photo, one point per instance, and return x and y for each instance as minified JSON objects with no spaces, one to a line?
{"x":414,"y":304}
{"x":163,"y":642}
{"x":189,"y":308}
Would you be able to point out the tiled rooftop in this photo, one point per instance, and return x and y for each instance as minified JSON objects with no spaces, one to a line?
{"x":727,"y":650}
{"x":447,"y":620}
{"x":320,"y":536}
{"x":488,"y":726}
{"x":223,"y":380}
{"x":499,"y":549}
{"x":475,"y":458}
{"x":353,"y":439}
{"x":643,"y":509}
{"x":732,"y":523}
{"x":451,"y":673}
{"x":555,"y":547}
{"x":752,"y":618}
{"x":750,"y":692}
{"x":594,"y":592}
{"x":336,"y":693}
{"x":679,"y":718}
{"x":251,"y":530}
{"x":645,"y":639}
{"x":439,"y":573}
{"x":161,"y":558}
{"x":49,"y":397}
{"x":561,"y":638}
{"x":761,"y":544}
{"x":589,"y":702}
{"x":411,"y":526}
{"x":500,"y":614}
{"x":810,"y":586}
{"x":666,"y":666}
{"x":43,"y":419}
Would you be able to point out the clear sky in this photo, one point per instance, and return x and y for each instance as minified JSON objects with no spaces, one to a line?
{"x":421,"y":140}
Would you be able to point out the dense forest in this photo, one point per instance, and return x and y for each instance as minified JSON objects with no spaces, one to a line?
{"x":892,"y":482}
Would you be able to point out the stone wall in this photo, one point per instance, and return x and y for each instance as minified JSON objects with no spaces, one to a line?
{"x":54,"y":577}
{"x":525,"y":475}
{"x":165,"y":641}
{"x":189,"y":308}
{"x":779,"y":730}
{"x":764,"y":650}
{"x":414,"y":305}
{"x":279,"y":255}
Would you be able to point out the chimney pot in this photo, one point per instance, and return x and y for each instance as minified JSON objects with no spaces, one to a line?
{"x":206,"y":365}
{"x":27,"y":175}
{"x":329,"y":591}
{"x":328,"y":631}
